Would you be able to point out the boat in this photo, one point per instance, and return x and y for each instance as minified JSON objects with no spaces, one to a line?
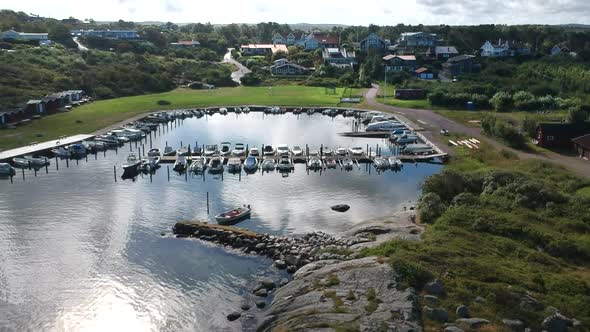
{"x":233,"y":216}
{"x":347,"y":163}
{"x":169,"y":151}
{"x":356,"y":151}
{"x":314,"y":153}
{"x":223,"y":111}
{"x":215,"y":165}
{"x":385,"y":126}
{"x":381,"y":163}
{"x":211,"y":150}
{"x":6,"y":170}
{"x":149,"y":164}
{"x":237,"y":110}
{"x":37,"y":161}
{"x":341,"y":151}
{"x":131,"y":163}
{"x":314,"y":163}
{"x":250,"y":164}
{"x":330,"y":112}
{"x":246,"y":110}
{"x":77,"y":150}
{"x":310,"y":111}
{"x":283,"y":150}
{"x":180,"y":164}
{"x":234,"y":165}
{"x":198,"y":165}
{"x":182,"y":151}
{"x":268,"y":150}
{"x":297,"y":111}
{"x":239,"y":150}
{"x":268,"y":165}
{"x":99,"y":146}
{"x":349,"y":113}
{"x":417,"y":149}
{"x":394,"y":162}
{"x":154,"y":152}
{"x":225,"y":148}
{"x":331,"y":163}
{"x":285,"y":164}
{"x":297,"y":151}
{"x":404,"y":139}
{"x":254,"y":152}
{"x":21,"y":163}
{"x":60,"y":152}
{"x":326,"y":151}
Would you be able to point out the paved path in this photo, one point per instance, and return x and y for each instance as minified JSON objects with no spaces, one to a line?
{"x":80,"y":46}
{"x":432,"y":123}
{"x":237,"y":75}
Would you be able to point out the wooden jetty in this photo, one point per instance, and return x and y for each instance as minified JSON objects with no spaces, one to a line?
{"x":39,"y":147}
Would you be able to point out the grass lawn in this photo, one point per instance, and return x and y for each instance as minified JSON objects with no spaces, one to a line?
{"x":103,"y":113}
{"x":466,"y":116}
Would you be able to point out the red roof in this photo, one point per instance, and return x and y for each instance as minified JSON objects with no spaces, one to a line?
{"x":421,"y":70}
{"x":583,"y":141}
{"x":325,"y":38}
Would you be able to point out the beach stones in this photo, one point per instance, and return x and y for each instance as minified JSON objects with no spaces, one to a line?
{"x":233,"y":316}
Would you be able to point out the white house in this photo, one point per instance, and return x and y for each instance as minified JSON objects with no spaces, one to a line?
{"x":559,"y":49}
{"x":340,"y":58}
{"x":504,"y":48}
{"x":25,"y":36}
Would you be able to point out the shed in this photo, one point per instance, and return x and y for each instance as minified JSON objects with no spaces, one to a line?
{"x":582,"y":146}
{"x":560,"y":135}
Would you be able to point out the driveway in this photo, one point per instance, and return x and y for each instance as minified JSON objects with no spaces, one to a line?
{"x":433,"y":123}
{"x":237,"y":75}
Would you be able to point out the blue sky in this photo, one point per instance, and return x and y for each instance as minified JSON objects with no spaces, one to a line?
{"x":349,"y":12}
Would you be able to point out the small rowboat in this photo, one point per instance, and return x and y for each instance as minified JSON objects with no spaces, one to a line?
{"x":233,"y":216}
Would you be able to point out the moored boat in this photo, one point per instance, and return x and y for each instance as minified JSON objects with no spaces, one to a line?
{"x":347,"y":163}
{"x":381,"y":163}
{"x":215,"y":165}
{"x":285,"y":164}
{"x":225,"y":149}
{"x":180,"y":164}
{"x":211,"y":150}
{"x":394,"y":162}
{"x":198,"y":165}
{"x":154,"y":152}
{"x":6,"y":170}
{"x":254,"y":152}
{"x":296,"y":151}
{"x":131,"y":163}
{"x":234,"y":165}
{"x":60,"y":152}
{"x":331,"y":163}
{"x":239,"y":150}
{"x":37,"y":161}
{"x":233,"y":216}
{"x":341,"y":151}
{"x":268,"y":165}
{"x":268,"y":150}
{"x":250,"y":164}
{"x":169,"y":151}
{"x":183,"y":151}
{"x":356,"y":151}
{"x":314,"y":163}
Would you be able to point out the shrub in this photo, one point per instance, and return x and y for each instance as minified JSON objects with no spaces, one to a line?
{"x":501,"y":101}
{"x":430,"y":207}
{"x":412,"y":273}
{"x":465,"y":199}
{"x":163,"y":102}
{"x":577,"y":115}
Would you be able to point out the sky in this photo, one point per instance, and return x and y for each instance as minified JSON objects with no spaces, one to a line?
{"x":349,"y":12}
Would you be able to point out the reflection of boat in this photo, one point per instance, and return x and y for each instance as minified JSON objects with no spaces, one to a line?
{"x":268,"y":150}
{"x":210,"y":150}
{"x":215,"y":165}
{"x":223,"y":111}
{"x":394,"y":162}
{"x":310,"y":111}
{"x":198,"y":165}
{"x":234,"y":165}
{"x":326,"y":151}
{"x":6,"y":170}
{"x":239,"y":150}
{"x":297,"y":111}
{"x":246,"y":110}
{"x":314,"y":153}
{"x":250,"y":164}
{"x":180,"y":163}
{"x":233,"y":216}
{"x":77,"y":150}
{"x":331,"y":163}
{"x":381,"y":163}
{"x":285,"y":165}
{"x":341,"y":151}
{"x":21,"y":163}
{"x":153,"y":153}
{"x":169,"y":151}
{"x":268,"y":165}
{"x":131,"y":163}
{"x":347,"y":163}
{"x":356,"y":151}
{"x":225,"y":148}
{"x":297,"y":151}
{"x":314,"y":163}
{"x":254,"y":152}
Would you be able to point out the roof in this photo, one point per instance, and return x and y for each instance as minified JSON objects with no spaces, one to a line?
{"x":297,"y":35}
{"x":325,"y":38}
{"x":186,"y":42}
{"x":421,"y":70}
{"x":274,"y":48}
{"x":583,"y":141}
{"x":403,"y":57}
{"x":34,"y":101}
{"x":288,"y":64}
{"x":564,"y":129}
{"x":460,"y":58}
{"x":409,"y":34}
{"x":446,"y":49}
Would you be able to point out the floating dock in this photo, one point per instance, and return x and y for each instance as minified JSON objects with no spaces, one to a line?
{"x":38,"y":147}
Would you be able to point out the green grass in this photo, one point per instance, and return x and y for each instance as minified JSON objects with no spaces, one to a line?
{"x":103,"y":113}
{"x":466,"y":116}
{"x":419,"y":103}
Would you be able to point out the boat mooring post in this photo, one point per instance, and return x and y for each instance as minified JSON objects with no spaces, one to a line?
{"x":115,"y":172}
{"x":104,"y":152}
{"x":23,"y":173}
{"x":166,"y":143}
{"x":207,"y":202}
{"x":67,"y":162}
{"x":186,"y":175}
{"x":11,"y":178}
{"x":77,"y":161}
{"x":180,"y":143}
{"x":150,"y":140}
{"x":96,"y":156}
{"x":240,"y":176}
{"x":29,"y":165}
{"x":151,"y":176}
{"x":56,"y":163}
{"x":168,"y":170}
{"x":136,"y":144}
{"x":321,"y":150}
{"x":46,"y":168}
{"x":87,"y":157}
{"x":189,"y":150}
{"x":367,"y":150}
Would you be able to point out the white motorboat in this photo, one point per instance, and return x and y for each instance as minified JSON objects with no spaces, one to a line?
{"x":77,"y":150}
{"x":297,"y":111}
{"x":269,"y":150}
{"x":211,"y":150}
{"x":149,"y":164}
{"x":233,"y":216}
{"x":341,"y":151}
{"x":314,"y":163}
{"x":246,"y":110}
{"x":356,"y":151}
{"x":21,"y":163}
{"x":6,"y":170}
{"x":239,"y":150}
{"x":314,"y":153}
{"x":99,"y":146}
{"x":131,"y":163}
{"x":198,"y":165}
{"x":169,"y":151}
{"x":381,"y":163}
{"x":180,"y":164}
{"x":251,"y":164}
{"x":327,"y":152}
{"x":349,"y":113}
{"x":347,"y":163}
{"x":223,"y":111}
{"x":297,"y":151}
{"x":110,"y":141}
{"x":234,"y":165}
{"x":37,"y":161}
{"x":283,"y":150}
{"x":394,"y":162}
{"x":285,"y":164}
{"x":215,"y":165}
{"x":238,"y":110}
{"x":268,"y":165}
{"x":60,"y":152}
{"x":254,"y":152}
{"x":331,"y":163}
{"x":183,"y":151}
{"x":225,"y":148}
{"x":154,"y":152}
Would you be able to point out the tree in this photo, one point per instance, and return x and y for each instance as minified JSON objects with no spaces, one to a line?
{"x":430,"y":207}
{"x":61,"y":34}
{"x":502,"y":101}
{"x":577,"y":115}
{"x":154,"y":36}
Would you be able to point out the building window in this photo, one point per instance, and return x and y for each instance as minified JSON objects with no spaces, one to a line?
{"x":550,"y":138}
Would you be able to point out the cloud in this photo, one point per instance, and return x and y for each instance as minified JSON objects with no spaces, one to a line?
{"x":262,"y":8}
{"x":386,"y":11}
{"x":171,"y":7}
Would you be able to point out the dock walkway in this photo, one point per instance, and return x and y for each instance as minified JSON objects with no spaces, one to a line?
{"x":35,"y":148}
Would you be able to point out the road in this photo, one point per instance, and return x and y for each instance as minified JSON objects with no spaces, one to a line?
{"x":237,"y":75}
{"x":80,"y":46}
{"x":433,"y":123}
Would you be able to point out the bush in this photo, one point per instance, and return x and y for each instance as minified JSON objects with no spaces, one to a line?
{"x":163,"y":102}
{"x":576,"y":115}
{"x":430,"y":207}
{"x":501,"y":101}
{"x":411,"y":273}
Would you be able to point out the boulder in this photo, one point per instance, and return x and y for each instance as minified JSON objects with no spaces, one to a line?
{"x":453,"y":328}
{"x":462,"y":311}
{"x":472,"y":323}
{"x":437,"y":314}
{"x":260,"y":246}
{"x":430,"y":299}
{"x":514,"y":324}
{"x":530,"y":303}
{"x":556,"y":323}
{"x":435,"y":287}
{"x":281,"y":265}
{"x":233,"y":316}
{"x":283,"y":282}
{"x":340,"y":207}
{"x":267,"y":284}
{"x":261,"y":292}
{"x":292,"y":260}
{"x":260,"y":304}
{"x":245,"y":306}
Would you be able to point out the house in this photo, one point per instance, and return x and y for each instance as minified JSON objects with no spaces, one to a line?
{"x":284,"y":67}
{"x":560,"y":135}
{"x":582,"y":146}
{"x":398,"y":49}
{"x":289,"y":38}
{"x":109,"y":34}
{"x":504,"y":49}
{"x":418,"y":39}
{"x":373,"y":42}
{"x":262,"y":49}
{"x":559,"y":49}
{"x":321,"y":40}
{"x":410,"y":94}
{"x":185,"y":44}
{"x":23,"y":36}
{"x":340,"y":58}
{"x":11,"y":116}
{"x":424,"y":73}
{"x":443,"y":52}
{"x":399,"y":62}
{"x":462,"y":64}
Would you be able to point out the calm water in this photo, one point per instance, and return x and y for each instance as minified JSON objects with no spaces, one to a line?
{"x":79,"y":252}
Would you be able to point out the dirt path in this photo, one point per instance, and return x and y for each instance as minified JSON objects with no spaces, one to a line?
{"x":237,"y":75}
{"x":433,"y":123}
